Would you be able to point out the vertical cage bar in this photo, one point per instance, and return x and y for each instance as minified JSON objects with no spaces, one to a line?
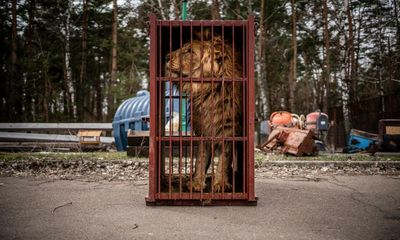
{"x":213,"y":107}
{"x":159,"y":115}
{"x":251,"y":109}
{"x":191,"y":114}
{"x":223,"y":113}
{"x":180,"y":116}
{"x":170,"y":168}
{"x":153,"y":99}
{"x":233,"y":108}
{"x":201,"y":149}
{"x":244,"y":102}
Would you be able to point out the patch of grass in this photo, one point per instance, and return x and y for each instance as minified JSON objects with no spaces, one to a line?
{"x":62,"y":156}
{"x":261,"y":157}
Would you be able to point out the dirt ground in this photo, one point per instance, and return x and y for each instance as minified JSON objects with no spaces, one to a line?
{"x":297,"y":207}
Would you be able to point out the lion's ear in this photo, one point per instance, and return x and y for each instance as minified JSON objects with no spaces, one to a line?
{"x":217,"y":40}
{"x":218,"y":56}
{"x":217,"y":44}
{"x":205,"y":34}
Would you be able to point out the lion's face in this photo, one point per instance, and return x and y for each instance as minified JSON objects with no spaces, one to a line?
{"x":196,"y":59}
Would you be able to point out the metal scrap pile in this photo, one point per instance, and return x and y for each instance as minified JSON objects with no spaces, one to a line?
{"x":289,"y":140}
{"x":293,"y":134}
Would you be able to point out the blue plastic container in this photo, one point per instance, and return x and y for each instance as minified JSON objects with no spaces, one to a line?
{"x":175,"y":97}
{"x":360,"y":141}
{"x":133,"y":114}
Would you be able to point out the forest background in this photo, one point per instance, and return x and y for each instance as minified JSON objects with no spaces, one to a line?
{"x":76,"y":61}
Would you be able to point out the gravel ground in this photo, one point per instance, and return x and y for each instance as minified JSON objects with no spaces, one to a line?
{"x":137,"y":169}
{"x":91,"y":170}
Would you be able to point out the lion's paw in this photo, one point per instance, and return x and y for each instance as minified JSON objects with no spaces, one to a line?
{"x":220,"y":184}
{"x":197,"y":186}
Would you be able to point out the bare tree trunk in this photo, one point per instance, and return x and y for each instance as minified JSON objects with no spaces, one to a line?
{"x":343,"y":82}
{"x":110,"y":97}
{"x":69,"y":86}
{"x":175,"y":7}
{"x":308,"y":87}
{"x":293,"y":65}
{"x":396,"y":74}
{"x":46,"y":97}
{"x":215,"y":8}
{"x":396,"y":14}
{"x":249,"y":8}
{"x":160,"y":7}
{"x":4,"y":81}
{"x":327,"y":67}
{"x":15,"y":93}
{"x":261,"y":76}
{"x":29,"y":85}
{"x":14,"y":36}
{"x":82,"y":77}
{"x":381,"y":85}
{"x":351,"y":54}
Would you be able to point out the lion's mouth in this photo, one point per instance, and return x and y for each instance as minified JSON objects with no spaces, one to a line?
{"x":174,"y":71}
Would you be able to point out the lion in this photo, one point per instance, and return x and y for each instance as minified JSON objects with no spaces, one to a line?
{"x":217,"y":107}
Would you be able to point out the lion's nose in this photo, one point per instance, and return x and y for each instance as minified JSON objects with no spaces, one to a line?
{"x":167,"y":57}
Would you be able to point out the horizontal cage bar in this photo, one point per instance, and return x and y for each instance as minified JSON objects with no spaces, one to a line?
{"x":194,"y":23}
{"x":200,"y":79}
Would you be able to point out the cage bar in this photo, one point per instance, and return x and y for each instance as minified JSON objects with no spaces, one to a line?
{"x":201,"y":112}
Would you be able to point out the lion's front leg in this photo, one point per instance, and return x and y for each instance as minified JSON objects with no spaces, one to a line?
{"x":202,"y":163}
{"x":224,"y":169}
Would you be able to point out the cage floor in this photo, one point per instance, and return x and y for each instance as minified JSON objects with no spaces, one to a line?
{"x":184,"y":181}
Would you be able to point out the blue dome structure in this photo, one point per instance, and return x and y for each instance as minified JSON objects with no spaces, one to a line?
{"x":132,"y":114}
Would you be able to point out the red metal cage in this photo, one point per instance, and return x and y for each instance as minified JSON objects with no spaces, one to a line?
{"x":201,"y":112}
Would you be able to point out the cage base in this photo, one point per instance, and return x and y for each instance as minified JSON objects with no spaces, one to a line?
{"x":204,"y":202}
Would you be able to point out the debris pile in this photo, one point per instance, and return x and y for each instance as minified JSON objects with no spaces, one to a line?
{"x":296,"y":135}
{"x":388,"y":139}
{"x":389,"y":135}
{"x":290,"y":140}
{"x":359,"y":141}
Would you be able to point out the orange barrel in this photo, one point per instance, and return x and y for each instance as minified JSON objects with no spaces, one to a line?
{"x":281,"y":118}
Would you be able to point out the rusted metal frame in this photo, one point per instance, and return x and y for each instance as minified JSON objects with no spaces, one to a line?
{"x":170,"y":169}
{"x":153,"y":97}
{"x":208,"y":202}
{"x":233,"y":110}
{"x":201,"y":147}
{"x":245,"y":50}
{"x":205,"y":79}
{"x":223,"y":108}
{"x":160,"y":115}
{"x":191,"y":112}
{"x":251,"y":109}
{"x":197,"y":195}
{"x":245,"y":137}
{"x":187,"y":138}
{"x":180,"y":114}
{"x":213,"y":107}
{"x":218,"y":23}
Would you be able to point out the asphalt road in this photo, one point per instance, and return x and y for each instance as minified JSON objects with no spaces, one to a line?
{"x":361,"y":207}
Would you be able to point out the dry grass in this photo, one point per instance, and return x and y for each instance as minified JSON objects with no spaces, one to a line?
{"x":62,"y":156}
{"x":262,"y":157}
{"x":259,"y":156}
